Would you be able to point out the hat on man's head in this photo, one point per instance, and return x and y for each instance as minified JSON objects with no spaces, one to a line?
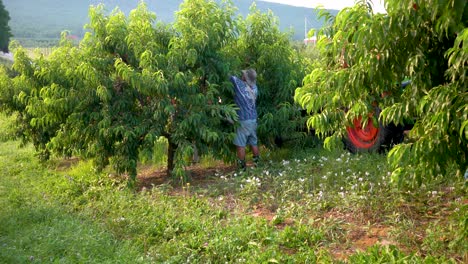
{"x":250,"y":76}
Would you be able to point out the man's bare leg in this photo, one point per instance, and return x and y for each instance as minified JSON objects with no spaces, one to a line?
{"x":256,"y":154}
{"x":255,"y":151}
{"x":241,"y":157}
{"x":241,"y":153}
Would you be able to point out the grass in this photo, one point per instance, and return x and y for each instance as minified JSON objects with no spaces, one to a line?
{"x":6,"y":127}
{"x":36,"y":228}
{"x":300,"y":206}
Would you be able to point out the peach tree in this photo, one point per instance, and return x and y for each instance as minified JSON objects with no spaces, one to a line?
{"x":128,"y":82}
{"x":366,"y":56}
{"x":132,"y":80}
{"x":280,"y":69}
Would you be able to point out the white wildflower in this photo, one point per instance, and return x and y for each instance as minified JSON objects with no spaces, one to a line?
{"x":320,"y":194}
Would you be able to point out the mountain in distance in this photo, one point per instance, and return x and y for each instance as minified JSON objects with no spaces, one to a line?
{"x":47,"y":18}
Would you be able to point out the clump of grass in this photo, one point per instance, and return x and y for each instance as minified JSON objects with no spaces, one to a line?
{"x":7,"y":131}
{"x":377,"y":254}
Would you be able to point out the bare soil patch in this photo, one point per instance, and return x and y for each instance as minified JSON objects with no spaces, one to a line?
{"x":198,"y":175}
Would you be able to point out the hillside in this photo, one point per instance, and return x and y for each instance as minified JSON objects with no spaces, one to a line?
{"x":47,"y":18}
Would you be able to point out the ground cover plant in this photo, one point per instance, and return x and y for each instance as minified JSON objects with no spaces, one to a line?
{"x":302,"y":206}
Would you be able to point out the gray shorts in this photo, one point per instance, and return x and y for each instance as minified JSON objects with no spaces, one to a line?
{"x":246,"y":134}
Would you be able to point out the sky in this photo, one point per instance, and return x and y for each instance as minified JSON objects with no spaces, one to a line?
{"x":329,"y":4}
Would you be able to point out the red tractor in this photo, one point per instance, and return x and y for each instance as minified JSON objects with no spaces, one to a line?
{"x":374,"y":138}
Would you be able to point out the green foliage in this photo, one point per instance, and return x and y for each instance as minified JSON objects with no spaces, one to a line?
{"x":280,"y":70}
{"x":5,"y":31}
{"x":199,"y":79}
{"x":366,"y":56}
{"x":132,"y":80}
{"x":377,"y":254}
{"x":7,"y":130}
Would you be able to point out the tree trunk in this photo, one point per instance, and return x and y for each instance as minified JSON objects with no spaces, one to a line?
{"x":171,"y":149}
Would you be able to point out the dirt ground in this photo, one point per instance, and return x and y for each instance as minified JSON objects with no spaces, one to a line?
{"x":358,"y":236}
{"x":360,"y":230}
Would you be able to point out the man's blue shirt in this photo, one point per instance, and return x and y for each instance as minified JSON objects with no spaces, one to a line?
{"x":245,"y":98}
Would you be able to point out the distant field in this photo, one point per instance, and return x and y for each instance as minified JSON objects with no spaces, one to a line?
{"x":38,"y":42}
{"x":35,"y":52}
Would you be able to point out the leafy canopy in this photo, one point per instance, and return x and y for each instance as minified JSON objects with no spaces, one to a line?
{"x":132,"y":80}
{"x":364,"y":58}
{"x":281,"y":69}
